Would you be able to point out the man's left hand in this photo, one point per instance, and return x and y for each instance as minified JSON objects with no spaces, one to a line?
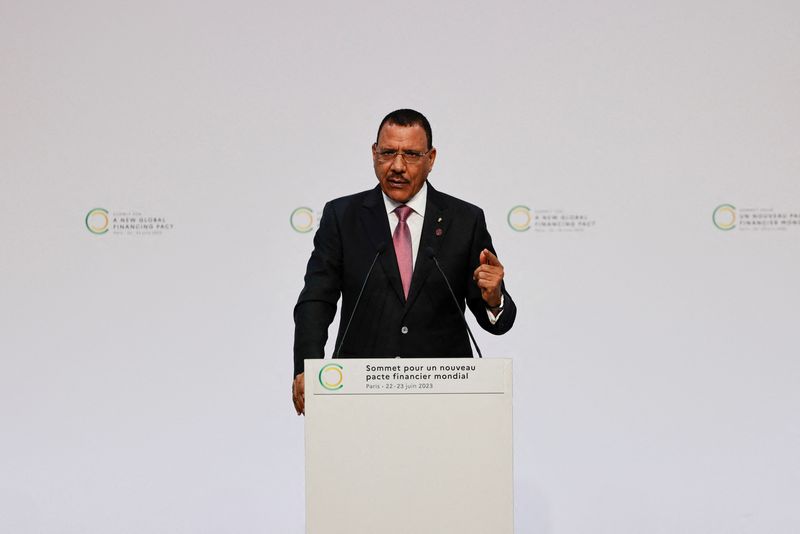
{"x":489,"y":277}
{"x":298,"y":393}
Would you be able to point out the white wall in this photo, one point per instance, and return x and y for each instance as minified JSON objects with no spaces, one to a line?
{"x":144,"y":379}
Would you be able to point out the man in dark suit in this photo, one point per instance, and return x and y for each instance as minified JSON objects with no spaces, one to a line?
{"x":406,"y":309}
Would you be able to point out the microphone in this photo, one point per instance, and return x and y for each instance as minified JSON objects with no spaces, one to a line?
{"x":378,"y":251}
{"x":429,"y":252}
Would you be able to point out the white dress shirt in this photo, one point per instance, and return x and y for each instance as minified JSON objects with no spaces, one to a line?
{"x":414,"y":221}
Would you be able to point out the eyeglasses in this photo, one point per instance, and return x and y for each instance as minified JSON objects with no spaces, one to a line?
{"x":410,"y":157}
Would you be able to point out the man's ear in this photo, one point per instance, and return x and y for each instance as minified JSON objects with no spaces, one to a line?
{"x":432,"y":156}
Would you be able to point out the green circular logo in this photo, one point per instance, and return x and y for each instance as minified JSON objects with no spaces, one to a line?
{"x":724,"y":217}
{"x":331,"y":376}
{"x":519,"y":218}
{"x":97,"y":221}
{"x":302,"y":220}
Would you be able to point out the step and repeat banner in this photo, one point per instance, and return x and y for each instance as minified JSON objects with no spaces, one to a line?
{"x":163,"y":168}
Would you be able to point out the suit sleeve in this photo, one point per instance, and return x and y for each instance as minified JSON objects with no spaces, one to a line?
{"x":481,"y":240}
{"x":316,"y":305}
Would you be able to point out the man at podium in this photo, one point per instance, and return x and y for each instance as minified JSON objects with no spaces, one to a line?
{"x":379,"y":249}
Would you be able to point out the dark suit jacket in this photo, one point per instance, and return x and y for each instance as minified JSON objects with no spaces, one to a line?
{"x":351,"y":232}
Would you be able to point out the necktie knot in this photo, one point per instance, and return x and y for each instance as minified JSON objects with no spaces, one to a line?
{"x":403,"y":212}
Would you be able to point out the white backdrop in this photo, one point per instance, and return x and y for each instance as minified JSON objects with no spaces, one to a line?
{"x":145,"y":348}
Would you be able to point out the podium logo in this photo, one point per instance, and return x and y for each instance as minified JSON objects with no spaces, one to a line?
{"x":519,"y":218}
{"x":97,"y":221}
{"x":302,"y":220}
{"x":724,"y":217}
{"x":331,"y":376}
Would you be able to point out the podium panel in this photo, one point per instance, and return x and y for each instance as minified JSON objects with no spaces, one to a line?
{"x":413,"y":445}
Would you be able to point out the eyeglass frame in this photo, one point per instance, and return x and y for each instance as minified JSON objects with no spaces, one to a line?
{"x":387,"y":156}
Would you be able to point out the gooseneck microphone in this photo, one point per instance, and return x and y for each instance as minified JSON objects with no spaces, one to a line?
{"x":378,"y":251}
{"x":429,"y":252}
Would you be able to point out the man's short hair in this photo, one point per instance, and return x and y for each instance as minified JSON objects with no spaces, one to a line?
{"x":408,"y":117}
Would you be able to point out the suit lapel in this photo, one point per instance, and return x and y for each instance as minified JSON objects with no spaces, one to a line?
{"x":434,"y":231}
{"x":373,"y":217}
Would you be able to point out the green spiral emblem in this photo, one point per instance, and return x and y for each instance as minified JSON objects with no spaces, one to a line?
{"x":724,"y":217}
{"x":519,"y":218}
{"x":331,"y":377}
{"x":302,"y":220}
{"x":97,"y":221}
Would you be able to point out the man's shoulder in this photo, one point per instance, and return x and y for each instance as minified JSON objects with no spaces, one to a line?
{"x":445,"y":201}
{"x":356,"y":199}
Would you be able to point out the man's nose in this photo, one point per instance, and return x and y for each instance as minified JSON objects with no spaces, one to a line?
{"x":398,"y":163}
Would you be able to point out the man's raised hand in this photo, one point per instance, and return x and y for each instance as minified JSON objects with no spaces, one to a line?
{"x":489,"y":277}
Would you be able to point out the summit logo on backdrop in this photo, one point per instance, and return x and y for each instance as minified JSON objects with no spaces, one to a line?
{"x":100,"y":221}
{"x":727,"y":217}
{"x":724,"y":217}
{"x":97,"y":221}
{"x":522,"y":218}
{"x":303,"y":220}
{"x":519,"y":218}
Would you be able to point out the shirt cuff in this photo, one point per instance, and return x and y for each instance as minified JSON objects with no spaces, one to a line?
{"x":492,"y":317}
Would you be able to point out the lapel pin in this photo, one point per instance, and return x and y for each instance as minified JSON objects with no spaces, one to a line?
{"x":438,"y":232}
{"x":439,"y":219}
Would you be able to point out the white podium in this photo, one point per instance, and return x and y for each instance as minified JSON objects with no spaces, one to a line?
{"x":409,"y":446}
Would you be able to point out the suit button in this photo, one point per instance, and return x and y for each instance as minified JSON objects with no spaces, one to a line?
{"x":404,"y":330}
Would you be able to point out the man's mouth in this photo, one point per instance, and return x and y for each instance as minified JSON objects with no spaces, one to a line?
{"x":397,"y":181}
